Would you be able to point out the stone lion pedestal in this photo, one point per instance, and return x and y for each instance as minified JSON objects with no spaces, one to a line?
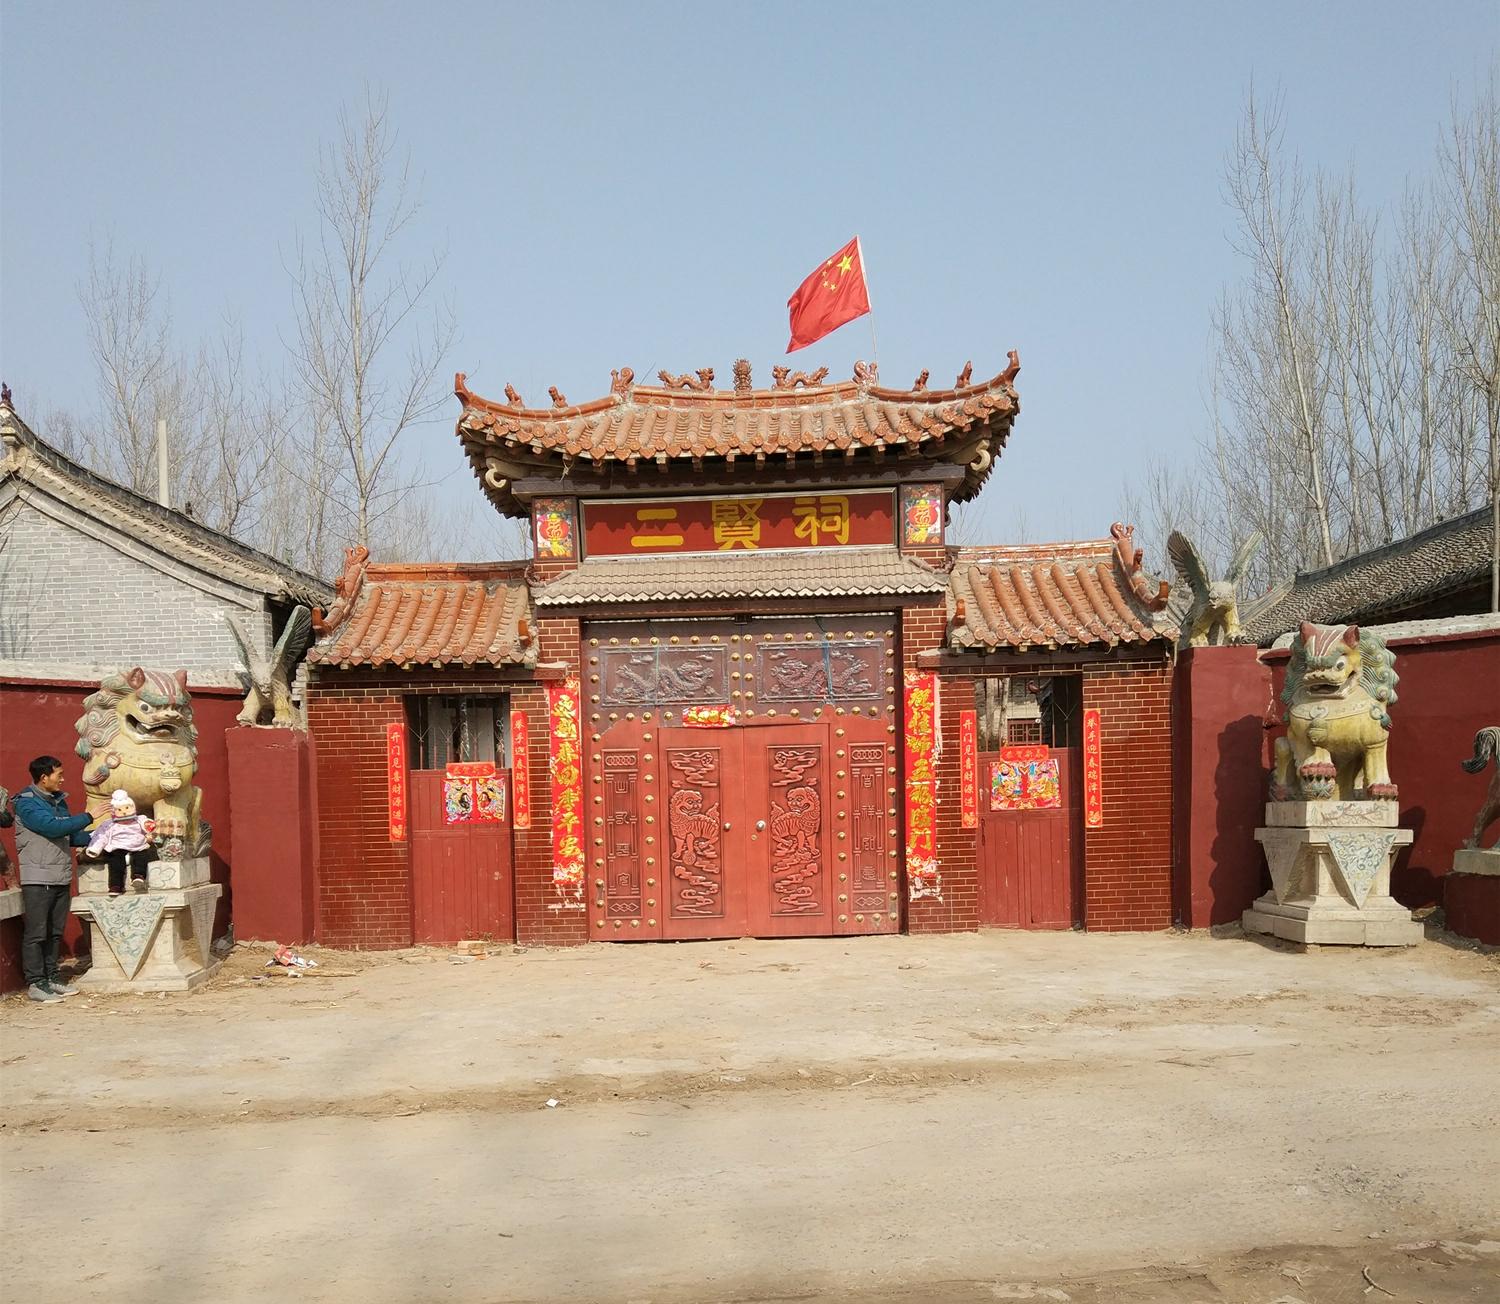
{"x":159,"y":940}
{"x":1331,"y":875}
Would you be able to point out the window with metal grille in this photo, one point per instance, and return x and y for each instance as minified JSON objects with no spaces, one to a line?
{"x":1014,"y":709}
{"x":452,"y":728}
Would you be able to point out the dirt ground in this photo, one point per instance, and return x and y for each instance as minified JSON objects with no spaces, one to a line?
{"x":1007,"y":1116}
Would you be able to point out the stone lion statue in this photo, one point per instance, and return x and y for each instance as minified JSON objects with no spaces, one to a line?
{"x":1340,"y":685}
{"x":137,"y":733}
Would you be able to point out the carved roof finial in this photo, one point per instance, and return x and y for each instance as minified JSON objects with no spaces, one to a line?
{"x":703,"y":381}
{"x":920,"y":383}
{"x":4,"y":393}
{"x":622,"y":381}
{"x":742,"y":383}
{"x":512,"y":397}
{"x":786,"y":378}
{"x":559,"y":399}
{"x":866,"y":373}
{"x":965,"y":377}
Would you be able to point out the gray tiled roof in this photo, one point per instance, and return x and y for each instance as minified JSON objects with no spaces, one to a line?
{"x":1444,"y":558}
{"x":836,"y":572}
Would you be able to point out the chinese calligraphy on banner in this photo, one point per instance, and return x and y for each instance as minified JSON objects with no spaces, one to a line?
{"x":1093,"y":771}
{"x":922,"y":746}
{"x":567,"y":791}
{"x":739,"y":524}
{"x":473,"y":793}
{"x":395,"y":780}
{"x":520,"y":764}
{"x":968,"y":768}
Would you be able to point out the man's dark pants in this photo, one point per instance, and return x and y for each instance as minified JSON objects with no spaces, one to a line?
{"x":46,"y":914}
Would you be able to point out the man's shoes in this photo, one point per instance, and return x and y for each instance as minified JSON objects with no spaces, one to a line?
{"x":59,"y":988}
{"x":41,"y":992}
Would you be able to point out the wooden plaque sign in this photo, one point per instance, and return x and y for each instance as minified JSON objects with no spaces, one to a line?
{"x":639,"y":528}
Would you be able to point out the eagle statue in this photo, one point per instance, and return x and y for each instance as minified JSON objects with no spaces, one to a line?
{"x":1213,"y":617}
{"x":269,"y":683}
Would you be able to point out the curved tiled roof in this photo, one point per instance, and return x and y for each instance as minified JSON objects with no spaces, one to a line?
{"x":29,"y":459}
{"x":1442,"y":559}
{"x":645,"y":426}
{"x":1054,"y":595}
{"x":434,"y":616}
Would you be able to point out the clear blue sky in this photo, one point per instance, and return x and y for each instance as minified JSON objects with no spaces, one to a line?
{"x":645,"y":184}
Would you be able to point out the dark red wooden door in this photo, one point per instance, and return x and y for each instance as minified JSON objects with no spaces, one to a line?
{"x":1029,"y":859}
{"x":462,"y":885}
{"x":783,"y":824}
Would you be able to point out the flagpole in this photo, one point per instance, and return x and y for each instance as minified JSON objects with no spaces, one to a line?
{"x":864,"y":270}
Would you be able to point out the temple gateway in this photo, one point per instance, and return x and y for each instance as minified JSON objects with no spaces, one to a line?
{"x":745,"y":687}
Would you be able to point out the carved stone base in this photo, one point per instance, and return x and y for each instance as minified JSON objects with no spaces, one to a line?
{"x":1471,"y":894}
{"x":161,"y":875}
{"x":154,"y":941}
{"x":1331,"y":875}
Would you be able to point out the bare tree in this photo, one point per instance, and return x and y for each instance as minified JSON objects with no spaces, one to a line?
{"x":1355,"y":370}
{"x":1470,"y":184}
{"x":367,"y":355}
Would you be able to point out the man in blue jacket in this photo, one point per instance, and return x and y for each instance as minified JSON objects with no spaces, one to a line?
{"x":45,"y":837}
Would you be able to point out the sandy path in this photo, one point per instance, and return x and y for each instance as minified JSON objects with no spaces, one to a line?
{"x":757,"y":1120}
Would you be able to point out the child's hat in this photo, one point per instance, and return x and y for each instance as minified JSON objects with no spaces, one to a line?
{"x":118,"y":796}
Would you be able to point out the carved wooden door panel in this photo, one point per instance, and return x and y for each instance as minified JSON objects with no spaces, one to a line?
{"x":781,"y":824}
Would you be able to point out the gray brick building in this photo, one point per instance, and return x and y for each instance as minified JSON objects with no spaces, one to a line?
{"x":94,"y":576}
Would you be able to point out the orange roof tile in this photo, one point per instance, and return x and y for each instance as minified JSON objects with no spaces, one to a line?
{"x":685,"y":421}
{"x":433,"y":616}
{"x":1054,"y":595}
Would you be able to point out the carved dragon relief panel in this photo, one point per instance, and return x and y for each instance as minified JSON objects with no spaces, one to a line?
{"x":655,"y":675}
{"x":796,"y":856}
{"x":622,"y":835}
{"x":819,"y":672}
{"x":694,"y":831}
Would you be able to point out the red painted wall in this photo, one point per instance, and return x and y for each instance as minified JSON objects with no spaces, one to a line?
{"x":1222,"y":704}
{"x":1472,"y":905}
{"x":270,"y":801}
{"x":1449,"y":689}
{"x":37,"y":718}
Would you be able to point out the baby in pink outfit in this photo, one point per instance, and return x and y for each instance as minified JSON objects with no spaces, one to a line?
{"x":124,"y":840}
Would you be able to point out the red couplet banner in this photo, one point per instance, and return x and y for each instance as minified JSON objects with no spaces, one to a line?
{"x":520,"y":779}
{"x":640,"y":528}
{"x":1093,"y":770}
{"x":567,"y":788}
{"x":395,"y":780}
{"x":968,"y":756}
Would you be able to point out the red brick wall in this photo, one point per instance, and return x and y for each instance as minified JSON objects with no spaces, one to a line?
{"x":539,"y":921}
{"x":363,"y":878}
{"x":923,"y":629}
{"x":1127,"y":867}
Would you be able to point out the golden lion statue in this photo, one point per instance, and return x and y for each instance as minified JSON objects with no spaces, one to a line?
{"x":1340,"y":685}
{"x":137,"y":733}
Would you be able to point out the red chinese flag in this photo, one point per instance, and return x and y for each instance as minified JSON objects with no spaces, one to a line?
{"x":831,"y":296}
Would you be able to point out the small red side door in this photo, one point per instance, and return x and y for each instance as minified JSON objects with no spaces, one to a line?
{"x":462,"y":885}
{"x":1029,"y":856}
